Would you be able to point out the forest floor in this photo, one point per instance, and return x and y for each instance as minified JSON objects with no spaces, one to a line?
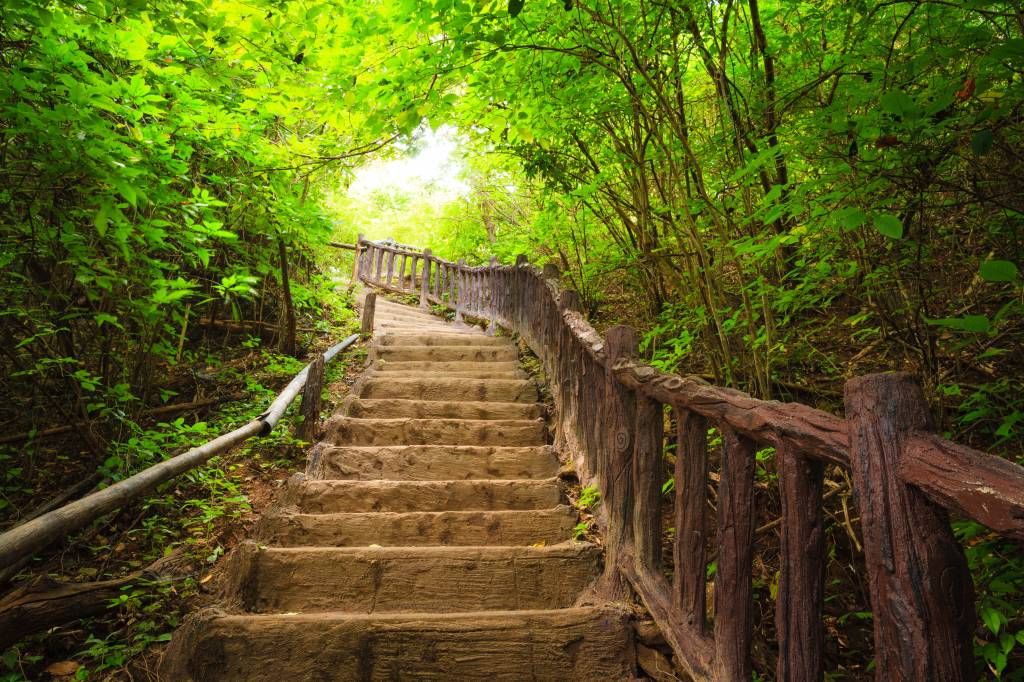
{"x":189,"y":525}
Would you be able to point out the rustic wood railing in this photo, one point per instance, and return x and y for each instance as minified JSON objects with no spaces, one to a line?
{"x":610,"y":411}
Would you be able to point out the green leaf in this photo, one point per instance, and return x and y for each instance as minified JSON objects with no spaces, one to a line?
{"x":992,"y":619}
{"x":102,"y":219}
{"x":998,"y":271}
{"x":852,"y":218}
{"x":898,"y":103}
{"x":981,"y":142}
{"x":515,"y":7}
{"x":888,"y":224}
{"x":969,"y":323}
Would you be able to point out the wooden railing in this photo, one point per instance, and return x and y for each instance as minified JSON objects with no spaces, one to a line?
{"x":610,"y":412}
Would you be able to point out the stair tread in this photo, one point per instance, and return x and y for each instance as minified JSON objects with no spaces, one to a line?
{"x":588,"y":643}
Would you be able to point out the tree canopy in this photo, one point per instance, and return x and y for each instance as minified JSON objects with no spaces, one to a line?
{"x":777,"y":194}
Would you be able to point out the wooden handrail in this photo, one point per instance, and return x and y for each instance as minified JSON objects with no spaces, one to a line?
{"x":25,"y":540}
{"x":608,"y":414}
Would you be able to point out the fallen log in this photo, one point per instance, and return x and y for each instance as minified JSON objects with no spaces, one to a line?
{"x":46,"y":603}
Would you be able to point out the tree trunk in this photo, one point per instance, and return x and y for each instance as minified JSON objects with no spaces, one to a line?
{"x":288,"y":332}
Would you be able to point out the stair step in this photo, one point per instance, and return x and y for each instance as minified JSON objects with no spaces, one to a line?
{"x":315,"y":496}
{"x":466,"y":374}
{"x":408,"y":431}
{"x":450,"y":337}
{"x":432,"y":462}
{"x":500,"y":390}
{"x":439,"y":579}
{"x":477,"y":352}
{"x":442,"y":368}
{"x":580,"y":644}
{"x":442,"y":409}
{"x":355,"y":529}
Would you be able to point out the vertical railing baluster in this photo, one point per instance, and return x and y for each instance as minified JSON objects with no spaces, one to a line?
{"x":459,"y":289}
{"x":922,"y":597}
{"x":648,"y":476}
{"x":798,"y":608}
{"x":690,"y":549}
{"x":618,"y":420}
{"x":391,"y":267}
{"x":425,"y":280}
{"x":734,"y":610}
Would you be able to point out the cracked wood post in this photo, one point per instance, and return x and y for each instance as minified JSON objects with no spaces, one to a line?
{"x":922,"y":597}
{"x":355,"y":260}
{"x":734,"y":605}
{"x":380,"y":263}
{"x":648,"y":475}
{"x":425,"y":279}
{"x":369,"y":306}
{"x":492,"y":281}
{"x":615,"y":469}
{"x":311,"y":400}
{"x":799,"y":604}
{"x":691,"y":510}
{"x":459,"y":289}
{"x":391,"y":267}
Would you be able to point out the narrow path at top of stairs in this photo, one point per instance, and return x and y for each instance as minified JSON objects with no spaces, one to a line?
{"x":427,"y":540}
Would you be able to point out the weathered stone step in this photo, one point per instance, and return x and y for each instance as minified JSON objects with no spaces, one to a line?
{"x":519,"y":527}
{"x":574,"y":645}
{"x":451,"y":353}
{"x":393,"y":312}
{"x":432,"y":462}
{"x":431,"y":328}
{"x":443,"y":368}
{"x":459,"y":388}
{"x":451,"y":337}
{"x":316,"y":496}
{"x":442,"y":409}
{"x":441,"y":579}
{"x":407,"y":431}
{"x":468,"y":374}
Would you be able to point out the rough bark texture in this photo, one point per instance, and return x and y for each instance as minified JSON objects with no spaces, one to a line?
{"x":921,"y":593}
{"x":311,"y":400}
{"x":288,"y":330}
{"x":734,"y":605}
{"x":691,"y":475}
{"x":800,"y":600}
{"x":369,"y":308}
{"x":648,"y":476}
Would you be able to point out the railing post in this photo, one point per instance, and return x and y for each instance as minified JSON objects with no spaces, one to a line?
{"x":311,"y":400}
{"x":459,"y":287}
{"x":734,"y":605}
{"x":922,"y":598}
{"x":648,"y":476}
{"x":492,"y":283}
{"x":379,"y":252}
{"x":401,"y":271}
{"x":691,"y":505}
{"x":615,"y":466}
{"x":369,"y":305}
{"x":801,"y":597}
{"x":355,"y":260}
{"x":391,"y":267}
{"x":425,"y":280}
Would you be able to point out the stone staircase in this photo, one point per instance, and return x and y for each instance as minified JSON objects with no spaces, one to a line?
{"x":426,"y":541}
